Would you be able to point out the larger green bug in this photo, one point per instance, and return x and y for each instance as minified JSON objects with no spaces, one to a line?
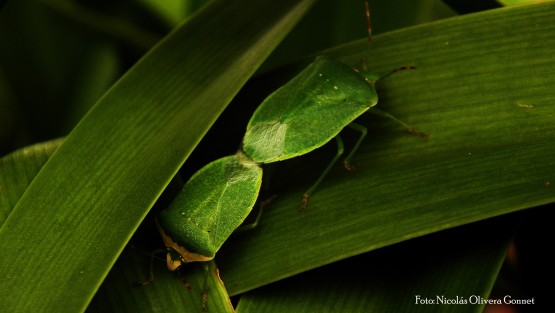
{"x":308,"y":111}
{"x":304,"y":114}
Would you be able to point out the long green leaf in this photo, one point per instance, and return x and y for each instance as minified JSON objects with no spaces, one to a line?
{"x":68,"y":228}
{"x":454,"y":269}
{"x":18,"y":169}
{"x":483,"y":92}
{"x":199,"y":288}
{"x":519,"y":2}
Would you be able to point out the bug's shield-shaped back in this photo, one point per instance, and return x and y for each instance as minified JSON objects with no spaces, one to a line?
{"x":308,"y":111}
{"x":211,"y":205}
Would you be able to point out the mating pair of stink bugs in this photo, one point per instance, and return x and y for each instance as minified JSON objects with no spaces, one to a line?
{"x":301,"y":116}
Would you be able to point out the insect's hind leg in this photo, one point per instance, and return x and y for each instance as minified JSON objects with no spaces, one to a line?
{"x":252,"y":225}
{"x":312,"y":189}
{"x":363,"y":132}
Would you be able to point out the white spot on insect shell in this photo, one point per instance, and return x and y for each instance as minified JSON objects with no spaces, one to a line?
{"x":335,"y":87}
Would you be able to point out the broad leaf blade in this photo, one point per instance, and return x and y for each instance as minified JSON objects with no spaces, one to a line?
{"x":18,"y":169}
{"x":449,"y":271}
{"x":482,"y":90}
{"x":197,"y":288}
{"x":119,"y":292}
{"x":519,"y":2}
{"x":86,"y":202}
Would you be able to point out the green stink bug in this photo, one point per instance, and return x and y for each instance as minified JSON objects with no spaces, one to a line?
{"x":212,"y":204}
{"x":301,"y":116}
{"x":308,"y":111}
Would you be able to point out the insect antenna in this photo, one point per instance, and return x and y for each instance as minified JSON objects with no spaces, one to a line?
{"x":402,"y":68}
{"x":368,"y":21}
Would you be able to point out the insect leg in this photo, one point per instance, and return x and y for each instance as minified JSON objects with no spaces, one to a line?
{"x":204,"y":293}
{"x":254,"y":224}
{"x":313,"y":188}
{"x":150,"y":278}
{"x":410,"y":129}
{"x":363,"y":131}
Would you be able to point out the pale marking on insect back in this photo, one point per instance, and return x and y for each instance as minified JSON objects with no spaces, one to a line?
{"x":245,"y":160}
{"x":273,"y":134}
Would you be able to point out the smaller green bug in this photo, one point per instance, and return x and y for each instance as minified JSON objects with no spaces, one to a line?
{"x":213,"y":203}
